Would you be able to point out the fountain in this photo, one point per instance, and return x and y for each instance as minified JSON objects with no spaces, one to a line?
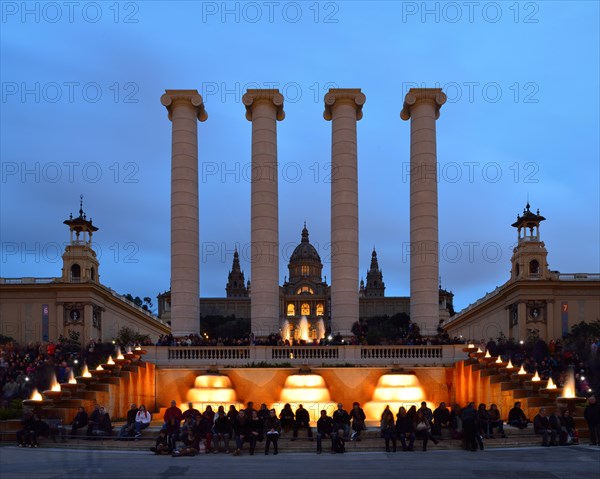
{"x":308,"y":389}
{"x":304,"y":329}
{"x":213,"y":389}
{"x":36,"y":400}
{"x":568,"y":399}
{"x":54,"y":392}
{"x":395,"y":390}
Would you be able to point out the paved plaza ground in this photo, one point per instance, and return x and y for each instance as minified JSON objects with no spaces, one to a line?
{"x":575,"y":462}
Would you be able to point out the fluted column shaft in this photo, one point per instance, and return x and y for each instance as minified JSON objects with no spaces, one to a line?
{"x":263,"y":108}
{"x":422,"y":106}
{"x":185,"y":108}
{"x":344,"y":108}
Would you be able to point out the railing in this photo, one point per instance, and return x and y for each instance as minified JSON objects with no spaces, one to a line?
{"x":208,"y":354}
{"x":401,"y":352}
{"x":579,"y":277}
{"x":248,"y":356}
{"x":320,"y":353}
{"x":26,"y":280}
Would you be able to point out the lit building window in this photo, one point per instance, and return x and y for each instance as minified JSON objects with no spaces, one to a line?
{"x":305,"y":309}
{"x":305,"y":289}
{"x":320,"y":309}
{"x":291,"y":310}
{"x":305,"y":270}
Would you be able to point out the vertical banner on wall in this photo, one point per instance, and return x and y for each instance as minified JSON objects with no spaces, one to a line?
{"x":45,"y":327}
{"x":564,"y":316}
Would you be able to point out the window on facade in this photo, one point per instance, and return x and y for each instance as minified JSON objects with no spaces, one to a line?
{"x":534,"y":267}
{"x":305,"y":270}
{"x":320,"y":309}
{"x":291,"y":310}
{"x":305,"y":309}
{"x":75,"y":272}
{"x":305,"y":289}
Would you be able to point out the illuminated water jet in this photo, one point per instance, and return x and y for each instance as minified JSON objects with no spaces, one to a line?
{"x":213,"y":390}
{"x":395,"y":390}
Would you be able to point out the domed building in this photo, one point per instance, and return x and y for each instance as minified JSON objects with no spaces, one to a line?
{"x":305,"y":294}
{"x":304,"y":297}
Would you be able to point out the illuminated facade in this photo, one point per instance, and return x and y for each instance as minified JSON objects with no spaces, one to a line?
{"x":535,"y":299}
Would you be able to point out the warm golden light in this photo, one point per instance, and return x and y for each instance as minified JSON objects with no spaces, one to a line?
{"x":128,"y":350}
{"x":85,"y":372}
{"x":110,"y":360}
{"x":394,"y":390}
{"x":138,"y":348}
{"x":499,"y":360}
{"x":470,"y":345}
{"x":551,"y":384}
{"x":214,"y":390}
{"x":119,"y":353}
{"x":569,"y":386}
{"x":487,"y":353}
{"x":509,"y":365}
{"x":99,"y":368}
{"x":522,"y":370}
{"x":54,"y":386}
{"x":479,"y":351}
{"x":536,"y":377}
{"x":36,"y":396}
{"x":300,"y":388}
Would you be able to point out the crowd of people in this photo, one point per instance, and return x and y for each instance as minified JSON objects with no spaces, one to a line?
{"x":191,"y":432}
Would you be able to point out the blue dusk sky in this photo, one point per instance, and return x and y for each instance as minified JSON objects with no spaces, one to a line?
{"x":81,"y":114}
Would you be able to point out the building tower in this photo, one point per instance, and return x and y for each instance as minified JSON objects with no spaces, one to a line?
{"x":529,"y":262}
{"x":375,"y":287}
{"x":529,"y":259}
{"x":236,"y":283}
{"x":80,"y":263}
{"x":305,"y":293}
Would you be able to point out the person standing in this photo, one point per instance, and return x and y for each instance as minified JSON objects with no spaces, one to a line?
{"x":591,"y":414}
{"x":388,"y":430}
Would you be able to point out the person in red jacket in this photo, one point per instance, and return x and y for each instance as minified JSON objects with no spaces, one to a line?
{"x":174,"y":413}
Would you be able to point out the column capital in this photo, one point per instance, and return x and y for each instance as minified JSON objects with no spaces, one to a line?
{"x":344,"y":95}
{"x":434,"y":96}
{"x":172,"y":98}
{"x":255,"y":96}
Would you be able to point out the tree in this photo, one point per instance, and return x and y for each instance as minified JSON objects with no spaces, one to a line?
{"x":127,"y":336}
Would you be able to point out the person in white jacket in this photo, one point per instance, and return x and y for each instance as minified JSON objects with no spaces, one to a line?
{"x":142,"y":420}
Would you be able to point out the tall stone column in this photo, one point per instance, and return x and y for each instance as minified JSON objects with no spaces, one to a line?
{"x":343,"y":106}
{"x":185,"y":107}
{"x":264,"y":107}
{"x":422,"y":106}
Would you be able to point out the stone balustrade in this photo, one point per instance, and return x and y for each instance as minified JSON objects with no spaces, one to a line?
{"x":243,"y":356}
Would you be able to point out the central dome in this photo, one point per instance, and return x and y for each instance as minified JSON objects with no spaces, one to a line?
{"x":305,"y":263}
{"x":304,"y":251}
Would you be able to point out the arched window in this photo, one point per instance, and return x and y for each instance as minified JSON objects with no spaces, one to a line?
{"x":517,"y":269}
{"x":75,"y":272}
{"x":305,"y":270}
{"x":291,"y":310}
{"x":320,"y":309}
{"x":305,"y":289}
{"x":93,"y":273}
{"x":534,"y":267}
{"x":305,"y":309}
